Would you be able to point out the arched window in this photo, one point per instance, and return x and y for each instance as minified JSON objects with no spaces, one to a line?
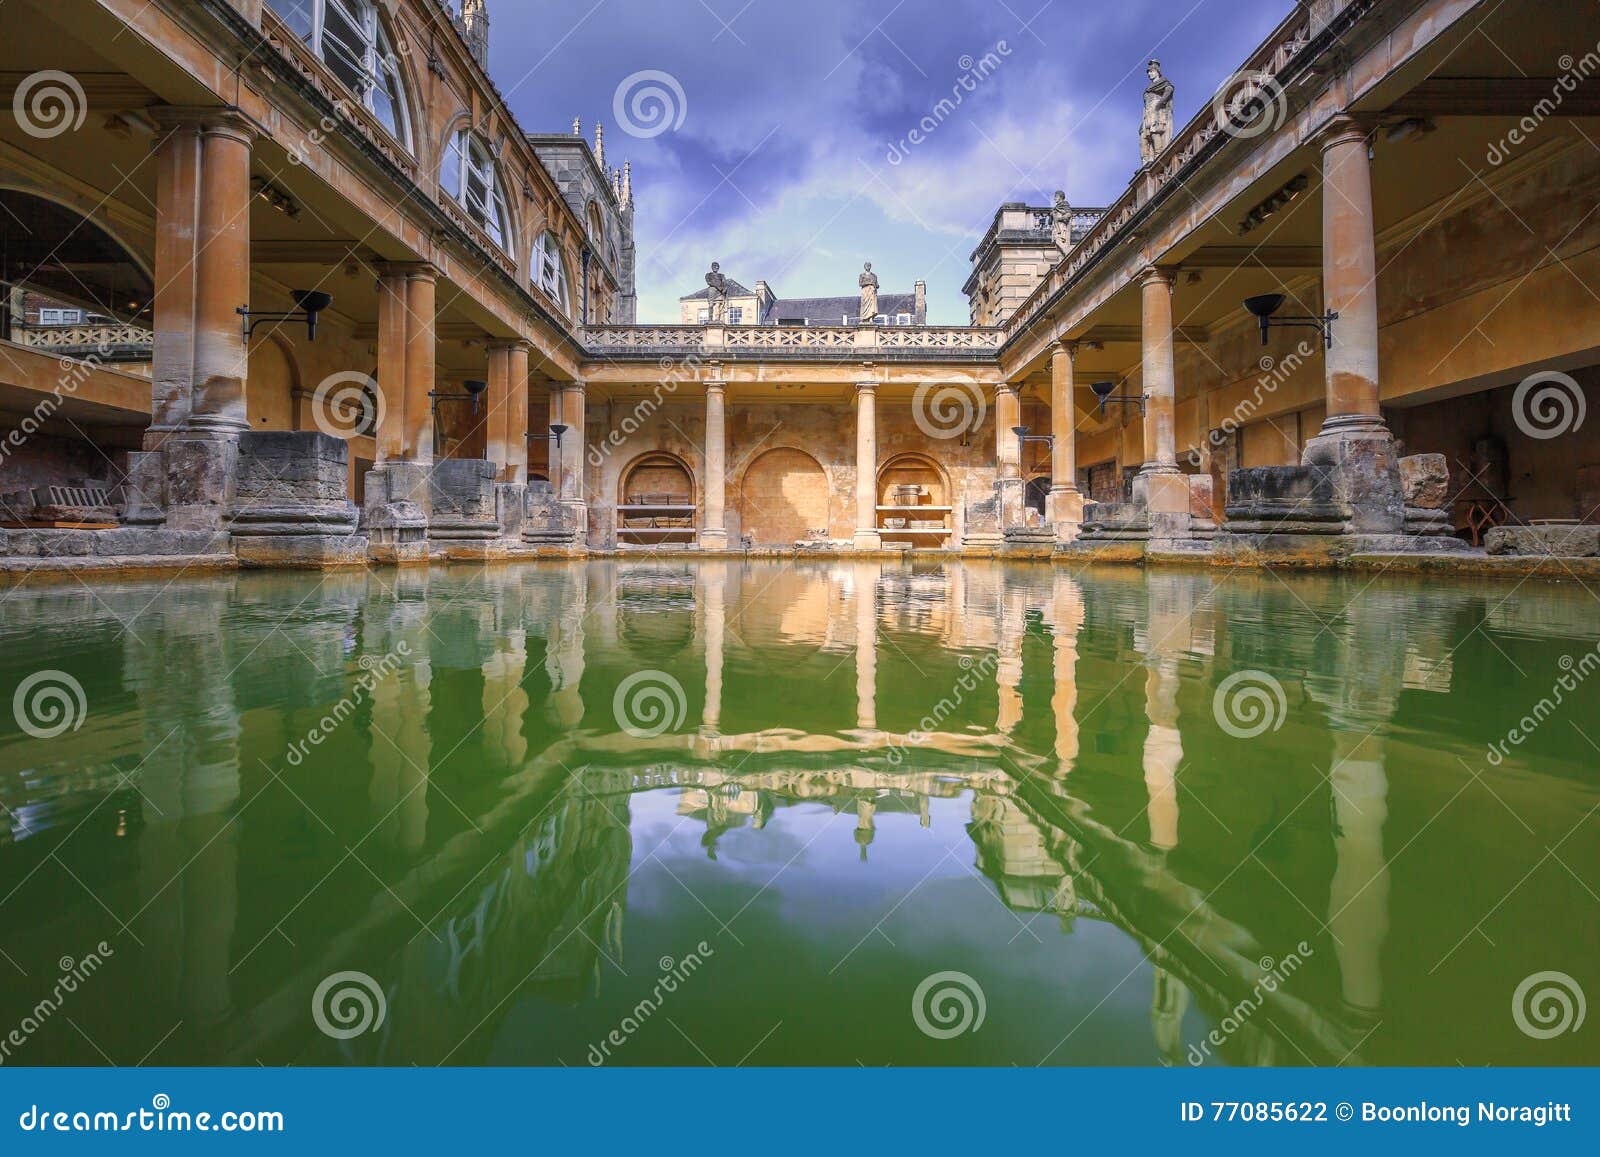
{"x":548,"y":272}
{"x":350,"y":37}
{"x":470,"y":177}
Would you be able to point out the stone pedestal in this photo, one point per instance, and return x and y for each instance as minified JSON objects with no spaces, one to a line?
{"x":546,"y":520}
{"x":1064,"y":513}
{"x":510,"y":503}
{"x":1365,"y":467}
{"x":1425,"y":486}
{"x":144,"y":493}
{"x":462,"y":508}
{"x":199,"y":479}
{"x":1164,"y":495}
{"x":396,"y":517}
{"x":290,"y":507}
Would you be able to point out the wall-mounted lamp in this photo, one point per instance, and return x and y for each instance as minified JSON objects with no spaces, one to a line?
{"x":556,"y":430}
{"x":1023,"y":437}
{"x":309,"y":303}
{"x":1264,"y":306}
{"x":472,"y":391}
{"x":1106,"y":392}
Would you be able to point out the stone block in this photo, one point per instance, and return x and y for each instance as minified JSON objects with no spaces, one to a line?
{"x":144,"y":490}
{"x":1365,"y":469}
{"x":292,"y":483}
{"x":301,"y":552}
{"x":1425,"y":481}
{"x":1572,"y":541}
{"x":1284,"y":500}
{"x":199,"y":480}
{"x":546,"y":520}
{"x":510,"y":503}
{"x":461,"y":500}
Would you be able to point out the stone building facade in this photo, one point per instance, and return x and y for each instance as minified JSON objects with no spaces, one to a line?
{"x":475,"y":386}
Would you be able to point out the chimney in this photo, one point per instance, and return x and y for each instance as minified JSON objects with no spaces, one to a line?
{"x":921,"y":292}
{"x":475,"y":27}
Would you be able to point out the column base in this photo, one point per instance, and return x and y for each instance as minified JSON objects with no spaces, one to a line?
{"x":867,"y":540}
{"x":200,"y":469}
{"x":713,"y":540}
{"x":396,"y":515}
{"x":1064,"y":513}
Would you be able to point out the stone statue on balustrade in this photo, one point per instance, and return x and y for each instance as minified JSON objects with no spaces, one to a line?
{"x":868,"y":281}
{"x":717,"y":294}
{"x":1155,"y":132}
{"x":1061,"y":222}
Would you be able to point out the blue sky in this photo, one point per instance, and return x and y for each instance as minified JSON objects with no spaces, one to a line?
{"x":786,"y":156}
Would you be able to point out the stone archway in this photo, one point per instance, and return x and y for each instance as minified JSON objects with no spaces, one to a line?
{"x":783,"y":498}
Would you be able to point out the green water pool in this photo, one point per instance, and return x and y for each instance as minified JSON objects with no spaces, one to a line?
{"x":647,"y":813}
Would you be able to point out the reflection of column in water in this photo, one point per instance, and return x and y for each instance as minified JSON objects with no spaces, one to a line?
{"x":713,"y":611}
{"x":1066,"y":620}
{"x":505,"y":701}
{"x":866,"y":815}
{"x":1163,"y":752}
{"x":1008,"y":666}
{"x":866,"y":584}
{"x":188,"y":851}
{"x":399,"y":748}
{"x":1358,"y":897}
{"x":564,"y":648}
{"x":1168,"y":1003}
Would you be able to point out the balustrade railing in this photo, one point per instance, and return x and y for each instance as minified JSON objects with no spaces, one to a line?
{"x":828,"y":341}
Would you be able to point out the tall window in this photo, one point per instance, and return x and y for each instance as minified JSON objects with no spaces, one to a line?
{"x":548,"y":273}
{"x":469,"y":176}
{"x":350,"y":37}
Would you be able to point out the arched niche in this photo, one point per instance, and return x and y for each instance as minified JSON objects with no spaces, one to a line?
{"x":784,"y":498}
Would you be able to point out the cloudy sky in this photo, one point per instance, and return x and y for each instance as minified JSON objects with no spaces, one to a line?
{"x":787,"y":155}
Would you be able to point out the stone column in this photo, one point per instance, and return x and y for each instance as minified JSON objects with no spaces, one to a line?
{"x":714,"y":534}
{"x":202,"y":277}
{"x":1160,"y":488}
{"x":516,"y":471}
{"x":1354,"y":443}
{"x":496,"y":434}
{"x":573,"y":494}
{"x":867,"y":536}
{"x":398,"y":498}
{"x":1007,"y":416}
{"x":1065,"y":513}
{"x":421,"y":363}
{"x":1350,"y":281}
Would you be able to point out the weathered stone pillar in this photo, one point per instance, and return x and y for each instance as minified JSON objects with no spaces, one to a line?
{"x":202,"y":277}
{"x":574,"y":495}
{"x":1065,"y":512}
{"x":867,"y":536}
{"x":1354,"y":443}
{"x":496,"y":432}
{"x":516,"y":416}
{"x":1160,"y":488}
{"x":714,"y":534}
{"x":1007,"y":416}
{"x":421,"y":362}
{"x":1350,"y":280}
{"x":398,"y":488}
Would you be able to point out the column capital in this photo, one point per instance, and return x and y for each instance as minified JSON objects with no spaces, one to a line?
{"x":867,"y":386}
{"x":412,"y":270}
{"x":1064,"y":348}
{"x":1007,"y":388}
{"x":1345,"y":128}
{"x":717,"y":385}
{"x":221,"y":121}
{"x":509,"y":345}
{"x":1164,"y":274}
